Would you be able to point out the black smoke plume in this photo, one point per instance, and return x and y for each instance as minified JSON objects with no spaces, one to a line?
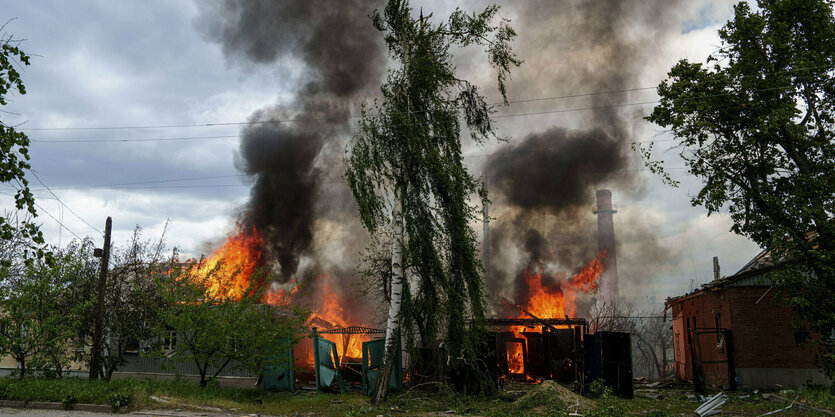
{"x":543,"y":184}
{"x":343,"y":58}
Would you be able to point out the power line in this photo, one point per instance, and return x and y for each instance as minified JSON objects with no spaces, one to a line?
{"x":136,"y":140}
{"x":62,"y":203}
{"x":58,"y":221}
{"x":318,"y":119}
{"x":172,"y":186}
{"x":518,"y":101}
{"x":280,"y":121}
{"x":466,"y":155}
{"x":147,"y":182}
{"x":329,"y":182}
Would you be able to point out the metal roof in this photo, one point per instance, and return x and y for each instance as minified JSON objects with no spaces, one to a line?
{"x":753,"y":274}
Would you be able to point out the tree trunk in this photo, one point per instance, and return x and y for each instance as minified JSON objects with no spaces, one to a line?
{"x":229,"y":359}
{"x":393,"y":324}
{"x":202,"y":370}
{"x":22,"y":361}
{"x":649,"y":347}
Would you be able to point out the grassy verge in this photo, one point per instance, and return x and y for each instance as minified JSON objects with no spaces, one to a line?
{"x":550,"y":400}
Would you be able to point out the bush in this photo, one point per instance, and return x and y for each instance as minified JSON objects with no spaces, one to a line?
{"x":598,"y":389}
{"x":68,"y":400}
{"x":608,"y":405}
{"x":120,"y":400}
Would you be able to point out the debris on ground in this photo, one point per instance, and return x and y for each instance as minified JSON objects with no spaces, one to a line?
{"x":652,"y":394}
{"x":793,"y":404}
{"x":573,"y":401}
{"x":711,"y":405}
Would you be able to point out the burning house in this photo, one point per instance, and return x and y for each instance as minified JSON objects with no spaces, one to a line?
{"x":736,"y":331}
{"x":544,"y":257}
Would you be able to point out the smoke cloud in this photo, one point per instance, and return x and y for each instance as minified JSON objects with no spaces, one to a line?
{"x":343,"y":58}
{"x":543,"y":184}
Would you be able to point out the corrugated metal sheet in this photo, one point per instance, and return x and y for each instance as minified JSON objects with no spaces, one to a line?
{"x":755,"y":280}
{"x":139,"y":364}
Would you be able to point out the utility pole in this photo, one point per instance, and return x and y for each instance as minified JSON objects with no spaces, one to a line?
{"x":95,"y":357}
{"x":485,"y":241}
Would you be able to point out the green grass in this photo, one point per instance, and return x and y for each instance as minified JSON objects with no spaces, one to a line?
{"x":136,"y":394}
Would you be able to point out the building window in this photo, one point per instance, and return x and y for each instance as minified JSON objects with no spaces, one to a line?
{"x":169,"y":341}
{"x":132,"y":345}
{"x":720,"y":340}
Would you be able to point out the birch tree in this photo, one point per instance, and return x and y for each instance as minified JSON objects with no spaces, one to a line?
{"x":404,"y":167}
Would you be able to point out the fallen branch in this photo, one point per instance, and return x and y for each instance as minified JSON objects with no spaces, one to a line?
{"x":799,"y":405}
{"x":441,"y":384}
{"x":782,"y":409}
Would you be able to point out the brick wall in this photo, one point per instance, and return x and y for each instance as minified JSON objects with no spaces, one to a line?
{"x":763,"y":335}
{"x":701,"y":311}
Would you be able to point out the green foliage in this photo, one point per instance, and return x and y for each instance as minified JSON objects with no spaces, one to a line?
{"x":68,"y":400}
{"x":70,"y":391}
{"x":406,"y":159}
{"x":757,"y":128}
{"x":132,"y":301}
{"x":120,"y":400}
{"x":217,"y":333}
{"x":598,"y":389}
{"x":39,"y":320}
{"x":14,"y":155}
{"x":608,"y":405}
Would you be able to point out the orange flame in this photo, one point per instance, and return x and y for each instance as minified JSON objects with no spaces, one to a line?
{"x":228,"y":272}
{"x":515,"y":357}
{"x":330,"y":313}
{"x":279,"y":297}
{"x":550,"y":301}
{"x":560,"y":300}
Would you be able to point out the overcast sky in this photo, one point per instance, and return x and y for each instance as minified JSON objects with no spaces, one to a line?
{"x":134,"y":64}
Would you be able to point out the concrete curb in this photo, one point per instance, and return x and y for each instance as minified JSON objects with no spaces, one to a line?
{"x":41,"y":405}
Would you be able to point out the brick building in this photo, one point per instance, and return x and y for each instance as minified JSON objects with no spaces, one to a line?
{"x":737,"y":328}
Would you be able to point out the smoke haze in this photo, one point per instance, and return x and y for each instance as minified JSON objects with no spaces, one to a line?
{"x":542,"y":182}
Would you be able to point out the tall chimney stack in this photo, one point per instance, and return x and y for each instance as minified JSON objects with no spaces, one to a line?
{"x":606,"y":243}
{"x":715,"y":268}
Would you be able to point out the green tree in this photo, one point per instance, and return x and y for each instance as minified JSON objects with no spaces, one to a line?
{"x":132,"y":301}
{"x":218,"y":333}
{"x":14,"y":154}
{"x":756,"y":127}
{"x":405,"y":170}
{"x":38,"y":319}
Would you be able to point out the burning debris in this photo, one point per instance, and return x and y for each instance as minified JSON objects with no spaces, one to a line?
{"x":545,"y":294}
